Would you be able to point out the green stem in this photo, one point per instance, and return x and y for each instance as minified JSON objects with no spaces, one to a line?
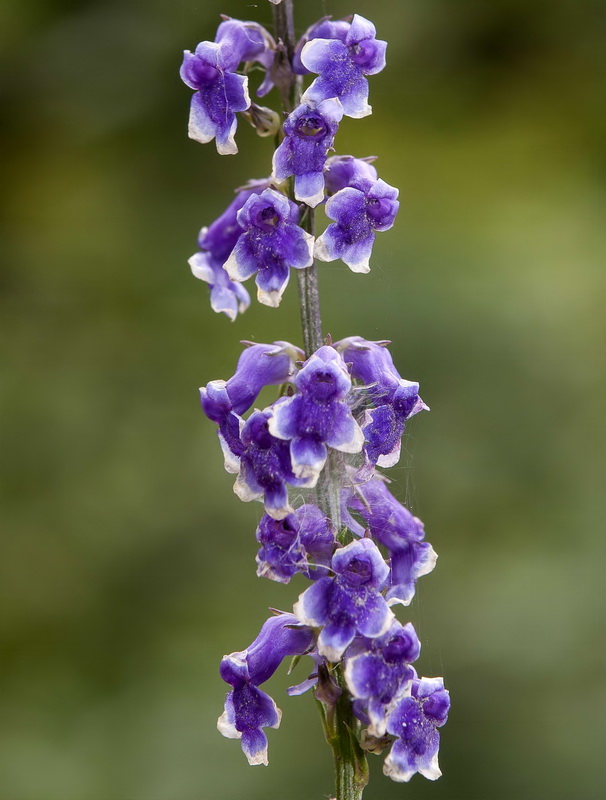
{"x":340,"y":724}
{"x":309,"y":296}
{"x":351,"y":767}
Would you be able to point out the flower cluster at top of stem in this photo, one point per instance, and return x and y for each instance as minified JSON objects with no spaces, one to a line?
{"x":259,"y":234}
{"x":340,"y":411}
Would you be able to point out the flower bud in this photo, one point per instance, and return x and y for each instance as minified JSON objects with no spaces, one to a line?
{"x":264,"y":120}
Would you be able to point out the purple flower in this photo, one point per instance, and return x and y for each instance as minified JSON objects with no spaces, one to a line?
{"x":309,"y":134}
{"x":318,"y":416}
{"x":226,"y":297}
{"x":342,"y":172}
{"x":341,"y":66}
{"x":396,"y":399}
{"x":398,"y":530}
{"x":216,"y":242}
{"x":372,"y":364}
{"x":325,"y":28}
{"x":271,"y":242}
{"x":243,"y":41}
{"x":265,"y":467}
{"x":300,"y":541}
{"x":231,"y":443}
{"x":357,"y":214}
{"x":247,"y":709}
{"x":383,"y":431}
{"x":219,"y":94}
{"x":249,"y":41}
{"x":378,"y":671}
{"x":387,"y":519}
{"x":414,"y":721}
{"x":224,"y":401}
{"x":220,"y":237}
{"x":351,"y":602}
{"x":259,"y":365}
{"x":409,"y":563}
{"x":280,"y":636}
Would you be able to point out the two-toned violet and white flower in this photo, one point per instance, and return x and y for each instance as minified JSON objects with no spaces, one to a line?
{"x":270,"y":243}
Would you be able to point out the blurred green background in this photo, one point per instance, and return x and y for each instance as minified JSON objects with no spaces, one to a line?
{"x":127,"y":564}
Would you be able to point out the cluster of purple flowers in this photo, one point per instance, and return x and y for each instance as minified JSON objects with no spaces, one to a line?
{"x":347,"y":398}
{"x":259,"y":233}
{"x":342,"y":407}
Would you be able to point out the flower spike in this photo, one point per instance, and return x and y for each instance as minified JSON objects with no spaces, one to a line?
{"x":306,"y":432}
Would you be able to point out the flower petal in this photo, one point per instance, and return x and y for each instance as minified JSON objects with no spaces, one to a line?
{"x":346,"y":434}
{"x":313,"y":605}
{"x":376,"y":617}
{"x":254,"y":747}
{"x":320,"y":55}
{"x":201,"y":127}
{"x":308,"y":457}
{"x":242,"y":263}
{"x":309,"y":188}
{"x":335,"y":639}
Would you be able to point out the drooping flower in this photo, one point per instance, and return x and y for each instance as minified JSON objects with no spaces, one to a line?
{"x":270,"y":243}
{"x":398,"y":530}
{"x":219,"y":94}
{"x":378,"y":671}
{"x":248,"y":709}
{"x":265,"y":467}
{"x":301,"y":542}
{"x":259,"y":365}
{"x":250,"y":42}
{"x":342,"y":66}
{"x":350,"y":603}
{"x":243,"y":41}
{"x":224,"y":401}
{"x":357,"y":214}
{"x":414,"y":721}
{"x":309,"y":133}
{"x":226,"y":296}
{"x":216,"y":243}
{"x":318,"y":416}
{"x":383,"y":431}
{"x":409,"y":563}
{"x":396,"y":399}
{"x":246,"y":712}
{"x":220,"y":236}
{"x":386,"y":518}
{"x":342,"y":172}
{"x":371,"y":363}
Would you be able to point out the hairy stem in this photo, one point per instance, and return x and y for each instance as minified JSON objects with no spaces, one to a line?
{"x":284,"y":25}
{"x":309,"y":296}
{"x":340,"y":724}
